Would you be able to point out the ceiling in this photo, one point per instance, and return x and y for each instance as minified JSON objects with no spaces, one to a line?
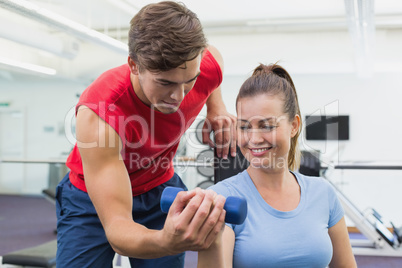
{"x":80,"y":38}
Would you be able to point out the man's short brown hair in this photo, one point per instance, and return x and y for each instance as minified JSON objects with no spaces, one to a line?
{"x":165,"y":35}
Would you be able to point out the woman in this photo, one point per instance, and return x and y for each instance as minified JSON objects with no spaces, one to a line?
{"x":293,"y":220}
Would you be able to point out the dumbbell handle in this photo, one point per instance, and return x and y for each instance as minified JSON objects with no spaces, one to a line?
{"x":235,"y":207}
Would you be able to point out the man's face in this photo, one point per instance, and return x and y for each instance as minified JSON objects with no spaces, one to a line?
{"x":164,"y":91}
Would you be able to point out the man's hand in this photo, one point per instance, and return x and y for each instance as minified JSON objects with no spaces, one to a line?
{"x":223,"y":125}
{"x":194,"y":221}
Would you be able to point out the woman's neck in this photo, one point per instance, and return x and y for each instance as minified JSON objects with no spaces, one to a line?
{"x":271,"y":179}
{"x":279,"y":188}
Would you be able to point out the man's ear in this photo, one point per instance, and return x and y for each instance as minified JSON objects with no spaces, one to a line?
{"x":133,"y":66}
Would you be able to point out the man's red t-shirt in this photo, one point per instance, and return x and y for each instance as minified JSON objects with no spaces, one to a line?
{"x":150,"y":138}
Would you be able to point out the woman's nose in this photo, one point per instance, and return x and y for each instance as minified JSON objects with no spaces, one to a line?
{"x":255,"y":136}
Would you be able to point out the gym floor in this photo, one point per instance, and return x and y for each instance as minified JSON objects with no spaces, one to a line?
{"x":27,"y":221}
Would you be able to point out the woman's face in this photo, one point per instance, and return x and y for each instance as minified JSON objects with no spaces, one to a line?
{"x":264,"y":131}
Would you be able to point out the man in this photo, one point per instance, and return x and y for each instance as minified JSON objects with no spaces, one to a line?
{"x":129,"y":123}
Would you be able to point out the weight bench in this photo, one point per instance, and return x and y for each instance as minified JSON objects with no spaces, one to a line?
{"x":50,"y":194}
{"x":43,"y":255}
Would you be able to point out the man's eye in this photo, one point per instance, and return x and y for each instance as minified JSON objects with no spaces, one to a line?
{"x":166,"y":84}
{"x":192,"y":81}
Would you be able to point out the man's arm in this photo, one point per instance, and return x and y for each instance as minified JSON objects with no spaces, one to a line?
{"x":192,"y":223}
{"x":223,"y":124}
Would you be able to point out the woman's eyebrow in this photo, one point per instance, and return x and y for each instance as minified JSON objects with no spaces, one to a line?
{"x":260,"y":121}
{"x":268,"y":119}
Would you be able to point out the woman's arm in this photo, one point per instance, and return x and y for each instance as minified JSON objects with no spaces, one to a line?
{"x":342,"y":250}
{"x":220,"y":253}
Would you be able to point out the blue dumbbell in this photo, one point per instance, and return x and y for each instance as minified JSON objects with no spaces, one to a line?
{"x":236,"y":207}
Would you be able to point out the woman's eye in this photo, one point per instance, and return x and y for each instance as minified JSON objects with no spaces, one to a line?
{"x":269,"y":127}
{"x":261,"y":128}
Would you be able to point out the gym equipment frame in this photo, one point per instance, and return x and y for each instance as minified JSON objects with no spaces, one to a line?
{"x":380,"y":241}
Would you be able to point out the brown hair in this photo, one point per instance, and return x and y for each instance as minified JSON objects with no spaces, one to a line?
{"x":273,"y":79}
{"x":164,"y":36}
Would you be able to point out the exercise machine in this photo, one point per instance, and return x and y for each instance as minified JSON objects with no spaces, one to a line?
{"x":380,"y":241}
